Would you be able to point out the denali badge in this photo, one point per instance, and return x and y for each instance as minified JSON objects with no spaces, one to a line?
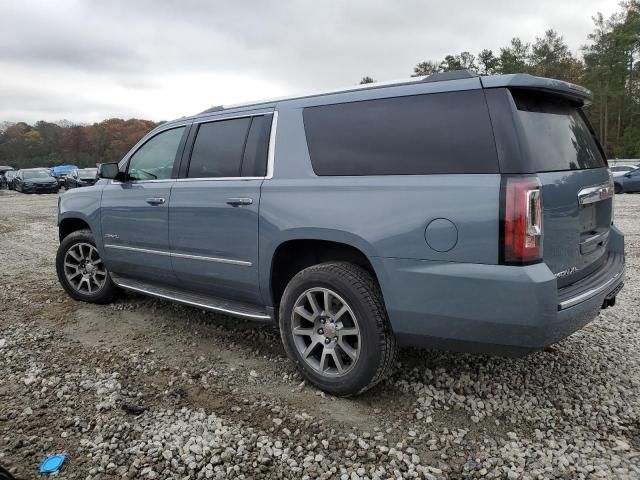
{"x":566,"y":272}
{"x":111,"y":235}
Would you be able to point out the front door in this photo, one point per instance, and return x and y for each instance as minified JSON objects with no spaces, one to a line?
{"x":214,"y":209}
{"x":135,"y":212}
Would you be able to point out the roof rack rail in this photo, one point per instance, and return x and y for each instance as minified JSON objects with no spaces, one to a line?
{"x":450,"y":75}
{"x":217,"y":108}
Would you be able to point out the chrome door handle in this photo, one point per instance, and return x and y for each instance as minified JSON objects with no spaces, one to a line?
{"x":237,"y":202}
{"x":156,"y":201}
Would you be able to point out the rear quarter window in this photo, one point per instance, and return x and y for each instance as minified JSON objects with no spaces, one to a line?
{"x":437,"y":133}
{"x":558,"y":135}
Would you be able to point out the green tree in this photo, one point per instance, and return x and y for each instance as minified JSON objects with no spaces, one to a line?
{"x":488,"y":63}
{"x":550,"y":57}
{"x":425,"y":68}
{"x":366,"y":79}
{"x":514,"y":58}
{"x":611,"y":72}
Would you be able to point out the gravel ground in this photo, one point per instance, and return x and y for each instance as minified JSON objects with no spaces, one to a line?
{"x":143,"y":388}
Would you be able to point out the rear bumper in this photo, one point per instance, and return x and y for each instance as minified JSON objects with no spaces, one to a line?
{"x":493,"y":308}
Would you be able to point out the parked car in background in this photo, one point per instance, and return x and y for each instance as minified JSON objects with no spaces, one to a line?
{"x":9,"y":177}
{"x":620,"y":170}
{"x":629,"y":182}
{"x":453,"y":210}
{"x":35,"y":180}
{"x":83,"y":177}
{"x":3,"y":179}
{"x":60,"y":172}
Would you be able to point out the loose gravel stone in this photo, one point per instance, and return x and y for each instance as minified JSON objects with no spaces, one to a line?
{"x":219,"y":399}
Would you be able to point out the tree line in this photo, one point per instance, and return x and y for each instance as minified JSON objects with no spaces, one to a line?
{"x":608,"y":65}
{"x":47,"y":144}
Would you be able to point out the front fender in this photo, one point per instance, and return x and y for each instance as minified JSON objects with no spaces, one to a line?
{"x":83,"y":204}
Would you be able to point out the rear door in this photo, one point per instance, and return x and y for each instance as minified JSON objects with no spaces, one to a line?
{"x":214,"y":208}
{"x":576,"y":186}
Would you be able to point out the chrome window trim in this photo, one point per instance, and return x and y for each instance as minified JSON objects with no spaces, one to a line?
{"x":209,"y":179}
{"x":222,"y":117}
{"x":270,"y":153}
{"x":137,"y":182}
{"x":180,"y":255}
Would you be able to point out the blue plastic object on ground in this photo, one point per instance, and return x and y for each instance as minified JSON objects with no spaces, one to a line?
{"x":52,"y":464}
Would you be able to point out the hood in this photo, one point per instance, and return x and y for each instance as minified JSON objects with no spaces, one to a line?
{"x":42,"y":181}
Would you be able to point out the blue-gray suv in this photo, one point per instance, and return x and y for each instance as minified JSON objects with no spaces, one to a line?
{"x":457,"y":211}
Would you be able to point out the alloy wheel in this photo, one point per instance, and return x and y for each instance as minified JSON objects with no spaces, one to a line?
{"x":83,"y":268}
{"x":325,"y":332}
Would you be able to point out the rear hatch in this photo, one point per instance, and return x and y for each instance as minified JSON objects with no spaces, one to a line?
{"x":576,"y":187}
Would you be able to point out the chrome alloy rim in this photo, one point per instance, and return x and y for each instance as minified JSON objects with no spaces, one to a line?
{"x":325,"y":332}
{"x":84,"y":269}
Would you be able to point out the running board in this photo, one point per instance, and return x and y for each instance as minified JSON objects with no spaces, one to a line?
{"x":215,"y":304}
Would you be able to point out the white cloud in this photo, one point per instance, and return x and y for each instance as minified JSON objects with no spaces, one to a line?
{"x":156,"y":59}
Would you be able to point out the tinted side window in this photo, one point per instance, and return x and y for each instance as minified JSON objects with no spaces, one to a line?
{"x":155,"y":159}
{"x":254,"y":161}
{"x":417,"y":135}
{"x":218,"y":148}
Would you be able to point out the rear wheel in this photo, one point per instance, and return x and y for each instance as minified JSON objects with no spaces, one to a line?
{"x":81,"y":271}
{"x":334,"y":326}
{"x":617,"y":188}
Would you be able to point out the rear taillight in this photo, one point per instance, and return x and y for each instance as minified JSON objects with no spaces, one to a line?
{"x":522,"y":220}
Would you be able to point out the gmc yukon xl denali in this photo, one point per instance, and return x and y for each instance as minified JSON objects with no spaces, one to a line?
{"x":456,"y":211}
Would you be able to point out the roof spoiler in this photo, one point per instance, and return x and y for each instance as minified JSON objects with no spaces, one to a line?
{"x":525,"y":81}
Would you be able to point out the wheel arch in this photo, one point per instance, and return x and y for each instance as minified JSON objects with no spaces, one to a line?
{"x":295,"y":254}
{"x":71,"y":224}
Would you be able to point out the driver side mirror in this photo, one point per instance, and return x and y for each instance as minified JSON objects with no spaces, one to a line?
{"x":109,"y":171}
{"x":627,"y":174}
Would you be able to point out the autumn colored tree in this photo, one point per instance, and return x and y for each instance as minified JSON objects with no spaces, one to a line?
{"x":47,"y":144}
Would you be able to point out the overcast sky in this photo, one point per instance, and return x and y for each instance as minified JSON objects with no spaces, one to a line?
{"x":90,"y":60}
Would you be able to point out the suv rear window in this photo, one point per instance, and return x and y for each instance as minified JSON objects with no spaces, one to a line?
{"x":557,"y":134}
{"x":415,"y":135}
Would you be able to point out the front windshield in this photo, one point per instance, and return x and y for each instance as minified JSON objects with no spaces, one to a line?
{"x":88,"y":172}
{"x":29,"y":174}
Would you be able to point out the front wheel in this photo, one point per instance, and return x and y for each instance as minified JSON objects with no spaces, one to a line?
{"x":334,"y":326}
{"x":81,"y":271}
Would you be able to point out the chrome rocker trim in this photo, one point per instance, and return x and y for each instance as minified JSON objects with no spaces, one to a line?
{"x":180,"y":255}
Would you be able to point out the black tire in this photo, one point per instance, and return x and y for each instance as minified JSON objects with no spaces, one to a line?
{"x":617,"y":188}
{"x":102,"y":295}
{"x":377,"y":342}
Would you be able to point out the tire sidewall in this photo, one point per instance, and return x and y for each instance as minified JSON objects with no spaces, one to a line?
{"x":370,"y":352}
{"x":105,"y":294}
